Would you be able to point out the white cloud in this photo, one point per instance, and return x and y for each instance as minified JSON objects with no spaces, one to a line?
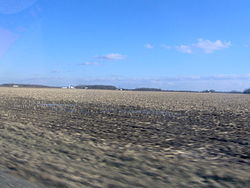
{"x":112,"y":56}
{"x":185,"y":49}
{"x":90,"y":63}
{"x":149,"y":46}
{"x":209,"y":46}
{"x":166,"y":46}
{"x":206,"y":46}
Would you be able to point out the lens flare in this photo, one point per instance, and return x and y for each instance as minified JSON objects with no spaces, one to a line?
{"x":6,"y":39}
{"x":14,"y":6}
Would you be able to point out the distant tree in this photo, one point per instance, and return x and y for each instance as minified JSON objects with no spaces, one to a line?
{"x":212,"y":91}
{"x":147,"y":89}
{"x":234,"y":91}
{"x":107,"y":87}
{"x":246,"y":91}
{"x":209,"y":91}
{"x":26,"y":85}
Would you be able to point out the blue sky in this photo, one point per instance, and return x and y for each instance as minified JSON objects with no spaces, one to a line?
{"x":169,"y":44}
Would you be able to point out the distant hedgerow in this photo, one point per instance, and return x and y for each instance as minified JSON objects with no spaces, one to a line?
{"x":247,"y":91}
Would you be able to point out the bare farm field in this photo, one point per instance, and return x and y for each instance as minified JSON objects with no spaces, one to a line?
{"x":93,"y":138}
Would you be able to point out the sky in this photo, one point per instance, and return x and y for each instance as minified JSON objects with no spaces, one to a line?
{"x":167,"y":44}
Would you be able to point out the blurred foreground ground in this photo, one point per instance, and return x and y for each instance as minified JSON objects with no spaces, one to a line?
{"x":86,"y":138}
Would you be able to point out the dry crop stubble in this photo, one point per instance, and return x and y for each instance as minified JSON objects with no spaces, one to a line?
{"x":97,"y":138}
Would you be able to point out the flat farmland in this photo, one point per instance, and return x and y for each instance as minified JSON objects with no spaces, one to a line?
{"x":96,"y":138}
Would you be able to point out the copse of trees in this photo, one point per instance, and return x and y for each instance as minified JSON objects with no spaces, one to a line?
{"x":147,"y":89}
{"x":246,"y":91}
{"x":106,"y":87}
{"x":209,"y":91}
{"x":235,"y":92}
{"x":27,"y":86}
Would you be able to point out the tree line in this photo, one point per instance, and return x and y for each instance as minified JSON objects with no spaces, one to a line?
{"x":111,"y":87}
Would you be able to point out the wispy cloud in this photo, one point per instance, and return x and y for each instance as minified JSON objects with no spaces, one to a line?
{"x":89,"y":63}
{"x":148,"y":46}
{"x":185,"y":49}
{"x":168,"y":47}
{"x":112,"y":56}
{"x":55,"y":71}
{"x":209,"y":46}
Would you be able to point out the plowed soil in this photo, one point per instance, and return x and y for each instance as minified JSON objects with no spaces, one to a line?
{"x":93,"y":138}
